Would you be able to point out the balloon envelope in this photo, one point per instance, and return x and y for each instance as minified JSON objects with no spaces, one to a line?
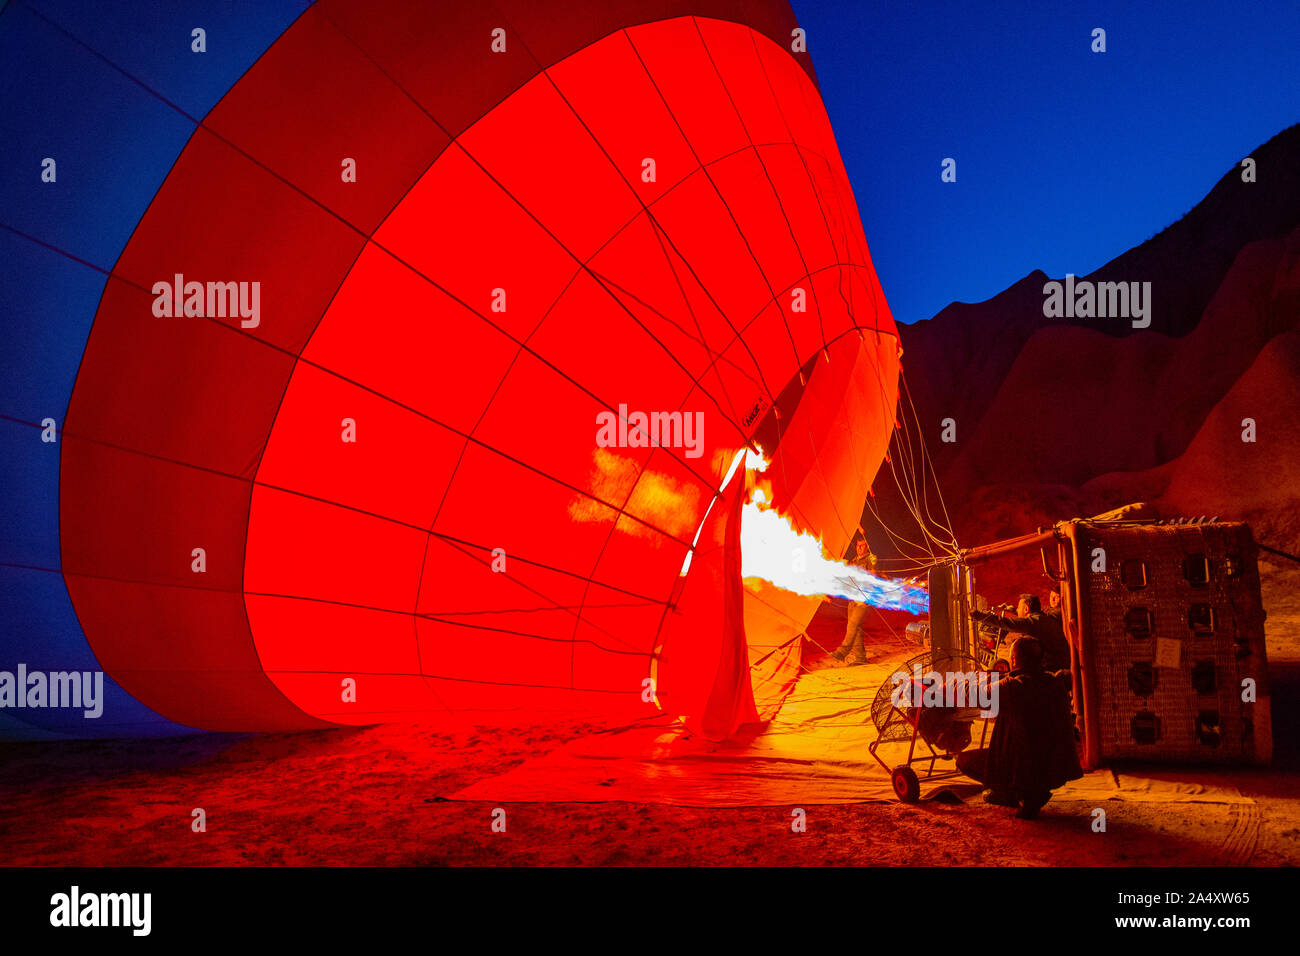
{"x":339,"y":445}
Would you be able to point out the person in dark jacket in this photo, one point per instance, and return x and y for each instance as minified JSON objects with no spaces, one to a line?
{"x":1031,"y":621}
{"x":1031,"y":751}
{"x":1055,"y":627}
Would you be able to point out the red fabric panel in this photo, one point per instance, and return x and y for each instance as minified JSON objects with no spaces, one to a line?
{"x":767,"y":336}
{"x":302,"y":547}
{"x":797,"y":102}
{"x":429,"y":347}
{"x":459,"y":583}
{"x":512,"y":703}
{"x":802,"y":206}
{"x":620,"y":672}
{"x":650,"y":541}
{"x":494,"y":654}
{"x":706,"y":236}
{"x":398,"y":466}
{"x":549,"y":30}
{"x":547,"y":180}
{"x":775,"y":621}
{"x":439,"y":53}
{"x":524,"y":261}
{"x":175,"y":648}
{"x":668,"y":496}
{"x":731,"y":49}
{"x":161,"y":511}
{"x":699,"y":633}
{"x":389,"y":646}
{"x":614,"y":623}
{"x":651,"y":280}
{"x":837,"y":438}
{"x":301,"y":123}
{"x":678,"y":63}
{"x":379,"y":697}
{"x":496,"y":502}
{"x":731,"y":698}
{"x":252,"y":228}
{"x":182,"y":402}
{"x":562,"y":447}
{"x":602,"y":85}
{"x":753,"y":198}
{"x":569,"y":341}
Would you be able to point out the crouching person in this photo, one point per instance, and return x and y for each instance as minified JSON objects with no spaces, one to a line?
{"x":1031,"y":751}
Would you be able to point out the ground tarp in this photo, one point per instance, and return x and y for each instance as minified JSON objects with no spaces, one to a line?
{"x":813,"y":752}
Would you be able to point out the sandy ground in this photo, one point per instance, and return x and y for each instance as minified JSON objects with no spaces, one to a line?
{"x":377,"y":796}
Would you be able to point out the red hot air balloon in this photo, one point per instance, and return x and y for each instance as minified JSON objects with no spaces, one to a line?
{"x":362,"y":430}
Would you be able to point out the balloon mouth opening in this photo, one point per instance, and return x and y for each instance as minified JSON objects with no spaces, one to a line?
{"x":777,"y":548}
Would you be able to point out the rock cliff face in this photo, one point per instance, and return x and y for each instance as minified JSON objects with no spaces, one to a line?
{"x":1058,"y":417}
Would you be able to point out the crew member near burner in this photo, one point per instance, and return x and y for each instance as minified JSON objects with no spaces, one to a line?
{"x":1031,"y":751}
{"x":854,"y":649}
{"x":1031,"y":621}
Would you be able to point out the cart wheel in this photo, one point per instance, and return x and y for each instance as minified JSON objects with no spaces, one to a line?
{"x":906,"y":786}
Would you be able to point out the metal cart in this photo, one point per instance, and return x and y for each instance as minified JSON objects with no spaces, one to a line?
{"x":902,"y":724}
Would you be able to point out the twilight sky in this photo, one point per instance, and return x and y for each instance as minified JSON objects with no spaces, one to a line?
{"x":1065,"y":158}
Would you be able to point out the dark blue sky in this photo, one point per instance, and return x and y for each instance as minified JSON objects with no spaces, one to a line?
{"x":1065,"y":157}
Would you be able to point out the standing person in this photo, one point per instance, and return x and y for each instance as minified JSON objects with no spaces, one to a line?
{"x":1053,"y":635}
{"x":1031,"y":751}
{"x":854,"y":649}
{"x":1032,"y":621}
